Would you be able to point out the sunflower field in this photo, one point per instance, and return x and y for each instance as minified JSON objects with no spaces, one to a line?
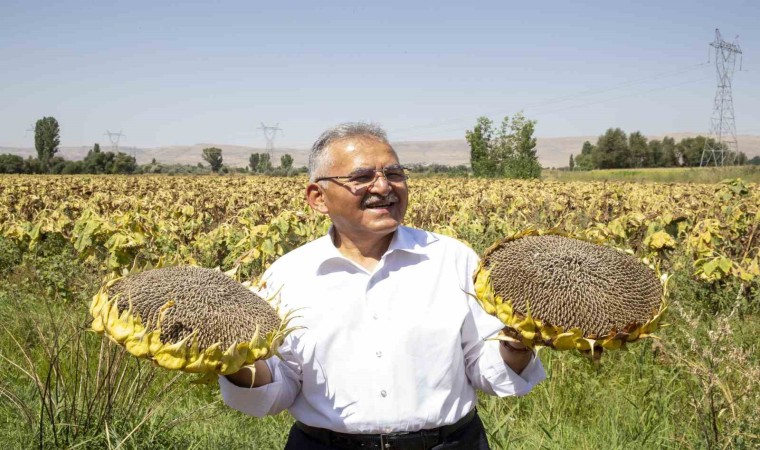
{"x":62,"y":386}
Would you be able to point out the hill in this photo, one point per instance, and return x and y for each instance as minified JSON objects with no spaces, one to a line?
{"x":552,"y":151}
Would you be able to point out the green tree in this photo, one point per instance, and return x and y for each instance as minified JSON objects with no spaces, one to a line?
{"x":96,"y":161}
{"x":638,"y":150}
{"x":253,"y":162}
{"x":611,"y":150}
{"x":510,"y":152}
{"x":689,"y":150}
{"x":669,"y":157}
{"x":654,"y":153}
{"x":213,"y":156}
{"x":286,"y":161}
{"x":46,"y":140}
{"x":122,"y":163}
{"x":522,"y":160}
{"x":11,"y":164}
{"x":481,"y":160}
{"x":572,"y":162}
{"x":265,"y":163}
{"x":585,"y":160}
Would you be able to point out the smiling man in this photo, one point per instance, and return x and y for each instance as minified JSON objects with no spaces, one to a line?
{"x":392,"y":347}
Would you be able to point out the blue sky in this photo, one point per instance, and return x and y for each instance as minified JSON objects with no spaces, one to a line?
{"x":179,"y":73}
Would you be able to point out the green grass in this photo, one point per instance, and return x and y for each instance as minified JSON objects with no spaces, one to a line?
{"x":659,"y":175}
{"x":62,"y":386}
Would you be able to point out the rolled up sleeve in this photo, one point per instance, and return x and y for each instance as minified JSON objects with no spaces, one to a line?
{"x":271,"y":398}
{"x":484,"y":365}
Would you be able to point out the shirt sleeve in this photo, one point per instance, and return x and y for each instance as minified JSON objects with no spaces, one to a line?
{"x":278,"y":395}
{"x":271,"y":398}
{"x":484,"y":365}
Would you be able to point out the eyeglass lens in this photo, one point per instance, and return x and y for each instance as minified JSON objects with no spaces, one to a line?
{"x":367,"y":176}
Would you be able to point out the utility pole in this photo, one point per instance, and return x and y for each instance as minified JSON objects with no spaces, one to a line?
{"x":722,"y":124}
{"x":269,"y":134}
{"x":114,"y":138}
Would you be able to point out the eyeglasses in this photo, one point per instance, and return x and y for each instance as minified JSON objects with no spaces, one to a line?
{"x":362,"y":178}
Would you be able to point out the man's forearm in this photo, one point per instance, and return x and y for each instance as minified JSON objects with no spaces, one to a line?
{"x":253,"y":376}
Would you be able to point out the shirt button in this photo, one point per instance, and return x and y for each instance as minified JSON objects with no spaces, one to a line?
{"x":383,"y":393}
{"x":375,"y":316}
{"x":379,"y":354}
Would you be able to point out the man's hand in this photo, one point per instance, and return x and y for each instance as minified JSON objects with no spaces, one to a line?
{"x":251,"y":376}
{"x":514,"y":353}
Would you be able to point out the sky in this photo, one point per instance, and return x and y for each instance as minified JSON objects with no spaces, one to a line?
{"x":181,"y":73}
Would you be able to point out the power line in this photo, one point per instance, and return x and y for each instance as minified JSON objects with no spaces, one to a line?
{"x":565,"y":98}
{"x":596,"y":102}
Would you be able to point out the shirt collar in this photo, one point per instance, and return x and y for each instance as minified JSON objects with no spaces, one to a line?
{"x":404,"y":239}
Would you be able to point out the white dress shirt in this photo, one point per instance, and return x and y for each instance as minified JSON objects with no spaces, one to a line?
{"x":399,"y":348}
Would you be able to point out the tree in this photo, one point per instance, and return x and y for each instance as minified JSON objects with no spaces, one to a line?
{"x":638,"y":150}
{"x":286,"y":161}
{"x":11,"y":164}
{"x":654,"y":153}
{"x":522,"y":160}
{"x":585,"y":161}
{"x":669,"y":157}
{"x":510,"y":153}
{"x":689,"y":150}
{"x":481,"y":161}
{"x":253,"y":162}
{"x":46,"y":140}
{"x":213,"y":156}
{"x":122,"y":163}
{"x":611,"y":150}
{"x":572,"y":163}
{"x":95,"y":161}
{"x":265,"y":163}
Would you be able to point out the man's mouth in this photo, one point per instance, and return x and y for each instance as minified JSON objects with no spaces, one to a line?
{"x":380,"y":202}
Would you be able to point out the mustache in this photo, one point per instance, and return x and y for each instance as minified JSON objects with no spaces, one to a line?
{"x":375,"y":199}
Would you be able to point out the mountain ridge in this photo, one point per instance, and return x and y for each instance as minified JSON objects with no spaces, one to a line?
{"x":552,"y":151}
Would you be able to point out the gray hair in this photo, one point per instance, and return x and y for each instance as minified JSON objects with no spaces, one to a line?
{"x":318,"y":157}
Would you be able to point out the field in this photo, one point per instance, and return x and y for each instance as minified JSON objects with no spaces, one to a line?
{"x":62,"y":386}
{"x":659,"y":175}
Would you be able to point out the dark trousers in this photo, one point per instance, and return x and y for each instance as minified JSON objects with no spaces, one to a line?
{"x":470,"y":437}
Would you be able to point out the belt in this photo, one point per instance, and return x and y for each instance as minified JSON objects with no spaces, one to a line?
{"x":411,"y":440}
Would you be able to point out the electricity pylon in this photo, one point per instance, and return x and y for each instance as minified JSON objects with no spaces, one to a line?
{"x":269,"y":134}
{"x":725,"y":147}
{"x":114,"y":138}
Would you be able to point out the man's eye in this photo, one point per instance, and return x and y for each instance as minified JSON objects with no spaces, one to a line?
{"x":363,"y":177}
{"x":395,"y":175}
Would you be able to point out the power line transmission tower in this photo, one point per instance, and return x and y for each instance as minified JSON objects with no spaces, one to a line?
{"x":269,"y":134}
{"x":114,"y":138}
{"x":724,"y":147}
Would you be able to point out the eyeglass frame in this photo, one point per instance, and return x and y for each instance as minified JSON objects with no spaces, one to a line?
{"x":375,"y":177}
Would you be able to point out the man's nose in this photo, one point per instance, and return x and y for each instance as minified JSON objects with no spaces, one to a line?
{"x":381,"y":184}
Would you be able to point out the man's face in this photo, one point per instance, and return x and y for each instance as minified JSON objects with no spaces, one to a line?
{"x":376,"y":210}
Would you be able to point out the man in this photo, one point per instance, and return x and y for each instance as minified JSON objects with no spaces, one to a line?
{"x":393,"y":346}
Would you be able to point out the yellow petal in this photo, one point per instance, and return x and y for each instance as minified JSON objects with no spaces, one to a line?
{"x":207,"y":361}
{"x":232,"y":360}
{"x":172,"y":356}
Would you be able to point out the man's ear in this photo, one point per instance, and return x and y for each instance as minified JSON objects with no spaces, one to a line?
{"x":315,"y":196}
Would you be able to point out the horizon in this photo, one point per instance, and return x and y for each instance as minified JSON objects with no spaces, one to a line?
{"x":211,"y":74}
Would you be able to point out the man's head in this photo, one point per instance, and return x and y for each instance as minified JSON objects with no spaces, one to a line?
{"x":372,"y":204}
